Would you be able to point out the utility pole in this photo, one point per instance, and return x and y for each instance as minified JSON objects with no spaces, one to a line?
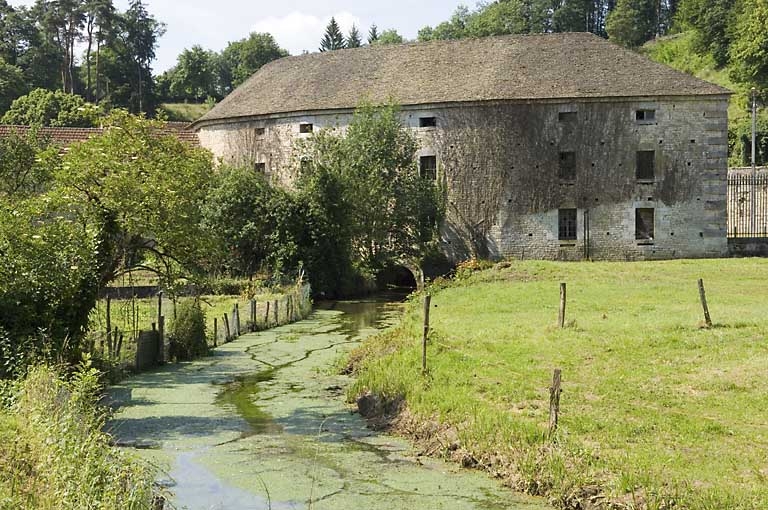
{"x":753,"y":187}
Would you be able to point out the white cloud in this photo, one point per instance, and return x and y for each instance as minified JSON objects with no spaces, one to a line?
{"x":299,"y":31}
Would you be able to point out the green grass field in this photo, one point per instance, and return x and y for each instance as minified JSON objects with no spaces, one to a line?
{"x":656,"y":410}
{"x":184,"y":112}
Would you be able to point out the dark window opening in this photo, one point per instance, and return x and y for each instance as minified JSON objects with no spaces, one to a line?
{"x":305,"y":127}
{"x":260,"y":131}
{"x":567,"y":116}
{"x":305,"y":164}
{"x":428,"y":167}
{"x":567,"y":169}
{"x":645,"y":168}
{"x":566,"y":224}
{"x":260,"y":167}
{"x":644,"y":224}
{"x":427,"y":122}
{"x":645,"y":115}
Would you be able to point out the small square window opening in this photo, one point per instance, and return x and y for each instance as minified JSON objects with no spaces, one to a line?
{"x":566,"y":224}
{"x":645,"y":115}
{"x":305,"y":127}
{"x":260,"y":167}
{"x":567,"y":116}
{"x":259,"y":131}
{"x":566,"y":170}
{"x":305,"y":165}
{"x":645,"y":165}
{"x":428,"y":167}
{"x":427,"y":122}
{"x":644,"y":221}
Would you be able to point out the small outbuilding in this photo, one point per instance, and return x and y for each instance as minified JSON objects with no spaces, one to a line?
{"x":555,"y":146}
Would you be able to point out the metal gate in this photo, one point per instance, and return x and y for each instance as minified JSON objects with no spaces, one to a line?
{"x":748,"y":205}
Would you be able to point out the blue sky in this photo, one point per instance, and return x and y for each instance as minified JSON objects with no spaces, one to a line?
{"x":296,"y":24}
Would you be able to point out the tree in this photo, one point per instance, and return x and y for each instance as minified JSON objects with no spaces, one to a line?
{"x":390,"y":211}
{"x":145,"y":191}
{"x":633,"y":22}
{"x":240,"y":59}
{"x":195,"y":76}
{"x":749,"y":50}
{"x":373,"y":34}
{"x":390,"y":37}
{"x":48,"y":108}
{"x":61,"y":22}
{"x":332,"y":40}
{"x":354,"y":39}
{"x":27,"y":161}
{"x":12,"y":84}
{"x":99,"y":18}
{"x":250,"y":219}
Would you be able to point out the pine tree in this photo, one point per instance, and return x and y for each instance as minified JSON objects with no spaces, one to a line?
{"x":332,"y":40}
{"x":353,"y":39}
{"x":373,"y":34}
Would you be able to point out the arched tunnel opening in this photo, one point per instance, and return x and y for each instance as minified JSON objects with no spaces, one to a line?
{"x":396,"y":277}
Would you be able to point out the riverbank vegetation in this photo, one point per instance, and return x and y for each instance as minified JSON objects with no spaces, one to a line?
{"x":53,"y":454}
{"x":657,"y":411}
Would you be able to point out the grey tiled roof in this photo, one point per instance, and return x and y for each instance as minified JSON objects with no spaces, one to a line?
{"x":514,"y":67}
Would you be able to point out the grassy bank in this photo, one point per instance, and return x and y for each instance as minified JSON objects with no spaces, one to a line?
{"x":657,"y":412}
{"x":53,"y":454}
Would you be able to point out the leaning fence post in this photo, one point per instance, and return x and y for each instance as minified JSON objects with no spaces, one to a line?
{"x":266,"y":316}
{"x":561,"y":312}
{"x":228,"y":336}
{"x":554,"y":402}
{"x":427,"y":301}
{"x":703,"y":297}
{"x":215,"y":330}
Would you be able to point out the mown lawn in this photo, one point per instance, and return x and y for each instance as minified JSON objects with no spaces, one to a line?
{"x":656,"y":411}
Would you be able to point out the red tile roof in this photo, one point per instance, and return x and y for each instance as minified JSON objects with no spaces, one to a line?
{"x":68,"y":135}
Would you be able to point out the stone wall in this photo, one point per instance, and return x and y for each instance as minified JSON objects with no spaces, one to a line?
{"x":500,"y":164}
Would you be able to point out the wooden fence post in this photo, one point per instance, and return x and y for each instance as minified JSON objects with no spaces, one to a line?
{"x":227,"y":336}
{"x":554,"y":402}
{"x":253,"y":315}
{"x":161,"y":341}
{"x":427,"y":302}
{"x":215,"y":331}
{"x":109,"y":322}
{"x":703,"y":297}
{"x":266,"y":317}
{"x":561,"y":313}
{"x":277,"y":313}
{"x":236,"y":319}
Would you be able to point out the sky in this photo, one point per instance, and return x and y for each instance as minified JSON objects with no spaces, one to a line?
{"x":297,"y":25}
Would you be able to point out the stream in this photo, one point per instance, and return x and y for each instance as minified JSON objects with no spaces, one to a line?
{"x":262,"y":424}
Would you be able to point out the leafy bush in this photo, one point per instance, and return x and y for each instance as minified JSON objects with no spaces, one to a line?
{"x":53,"y":453}
{"x":187,"y":332}
{"x":52,"y":108}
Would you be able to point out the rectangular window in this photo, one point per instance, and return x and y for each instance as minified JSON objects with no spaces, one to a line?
{"x":645,"y":115}
{"x":645,"y":165}
{"x":259,"y":131}
{"x":305,"y":165}
{"x":567,"y":116}
{"x":428,"y":167}
{"x":260,"y":167}
{"x":305,"y":127}
{"x":427,"y":122}
{"x":566,"y":224}
{"x":567,"y":169}
{"x":644,"y":224}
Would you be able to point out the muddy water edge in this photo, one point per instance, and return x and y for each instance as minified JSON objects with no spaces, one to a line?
{"x":262,"y":424}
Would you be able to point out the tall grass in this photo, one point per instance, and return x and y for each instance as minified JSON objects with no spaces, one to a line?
{"x":53,"y":454}
{"x":657,"y":410}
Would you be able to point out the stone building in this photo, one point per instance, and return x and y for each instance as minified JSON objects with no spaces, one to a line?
{"x":557,"y":146}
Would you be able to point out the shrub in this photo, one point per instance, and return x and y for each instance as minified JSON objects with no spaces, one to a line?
{"x":187,"y":332}
{"x":53,"y":454}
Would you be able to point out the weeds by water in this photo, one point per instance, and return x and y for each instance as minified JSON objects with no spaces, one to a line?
{"x":656,"y":412}
{"x":53,"y":454}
